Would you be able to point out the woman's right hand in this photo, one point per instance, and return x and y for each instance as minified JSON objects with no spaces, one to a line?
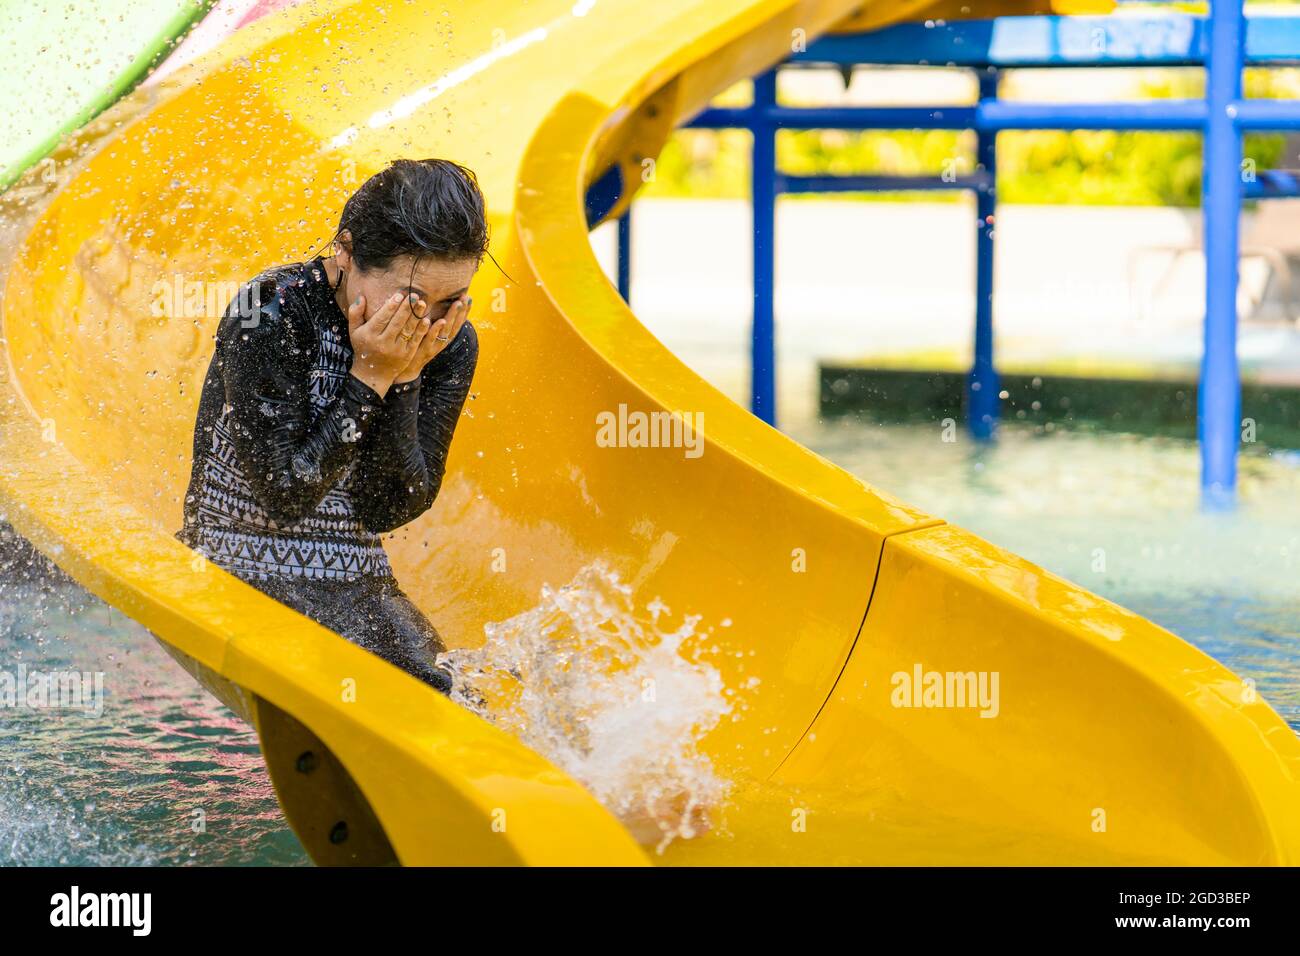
{"x":383,"y":344}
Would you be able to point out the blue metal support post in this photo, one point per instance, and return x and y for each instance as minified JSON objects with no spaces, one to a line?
{"x":982,"y":406}
{"x":625,"y":255}
{"x":763,"y":184}
{"x":1219,"y":395}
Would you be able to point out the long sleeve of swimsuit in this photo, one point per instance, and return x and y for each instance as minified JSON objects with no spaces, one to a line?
{"x":404,"y":457}
{"x":290,"y":453}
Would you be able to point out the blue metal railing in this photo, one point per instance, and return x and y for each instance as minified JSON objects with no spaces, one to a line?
{"x":1223,"y":42}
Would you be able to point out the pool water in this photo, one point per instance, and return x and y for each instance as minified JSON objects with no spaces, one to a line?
{"x":165,"y":774}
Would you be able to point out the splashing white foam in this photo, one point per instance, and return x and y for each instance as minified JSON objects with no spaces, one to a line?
{"x":609,"y":695}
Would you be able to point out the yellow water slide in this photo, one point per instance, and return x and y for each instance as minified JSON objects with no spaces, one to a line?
{"x":1109,"y":740}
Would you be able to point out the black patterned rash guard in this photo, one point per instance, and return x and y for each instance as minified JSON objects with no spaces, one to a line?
{"x":298,"y":465}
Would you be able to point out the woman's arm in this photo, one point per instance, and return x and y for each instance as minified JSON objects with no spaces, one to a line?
{"x":404,"y":459}
{"x":289,"y":460}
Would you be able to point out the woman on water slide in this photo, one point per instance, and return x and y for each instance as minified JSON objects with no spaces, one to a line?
{"x":329,"y":407}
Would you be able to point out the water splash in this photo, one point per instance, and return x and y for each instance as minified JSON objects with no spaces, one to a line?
{"x":610,"y":695}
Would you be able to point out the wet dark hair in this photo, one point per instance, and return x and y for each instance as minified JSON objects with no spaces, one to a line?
{"x":415,"y":207}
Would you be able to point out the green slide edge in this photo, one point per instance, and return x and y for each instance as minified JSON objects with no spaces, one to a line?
{"x":126,"y":81}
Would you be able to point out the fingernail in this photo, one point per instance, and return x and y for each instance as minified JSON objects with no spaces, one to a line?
{"x":469,"y":301}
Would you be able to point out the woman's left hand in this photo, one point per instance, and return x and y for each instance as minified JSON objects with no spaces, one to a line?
{"x":439,"y":336}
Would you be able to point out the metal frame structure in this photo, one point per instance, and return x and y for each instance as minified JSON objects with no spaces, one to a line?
{"x":1224,"y":42}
